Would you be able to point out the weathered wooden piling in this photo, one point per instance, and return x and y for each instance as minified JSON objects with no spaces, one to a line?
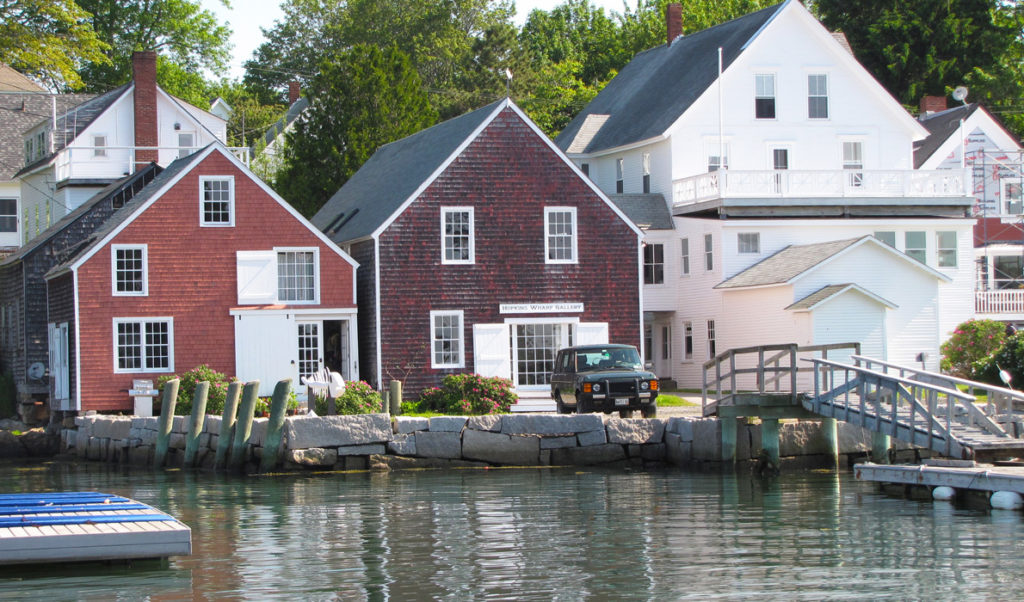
{"x":830,"y":429}
{"x":275,"y":426}
{"x":195,"y":423}
{"x":770,"y":440}
{"x":396,"y":397}
{"x":880,"y":445}
{"x":243,"y":426}
{"x":729,"y":428}
{"x":163,"y":433}
{"x":227,"y":425}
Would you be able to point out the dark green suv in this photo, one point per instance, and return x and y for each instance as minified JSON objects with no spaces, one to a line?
{"x":603,"y":378}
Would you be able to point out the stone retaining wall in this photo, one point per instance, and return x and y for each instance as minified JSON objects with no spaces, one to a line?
{"x":380,"y":441}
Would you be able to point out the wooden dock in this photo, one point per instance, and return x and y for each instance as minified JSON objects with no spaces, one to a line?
{"x":86,"y":526}
{"x":961,"y":476}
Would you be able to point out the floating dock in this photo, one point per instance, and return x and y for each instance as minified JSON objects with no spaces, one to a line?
{"x":1004,"y":485}
{"x":86,"y":526}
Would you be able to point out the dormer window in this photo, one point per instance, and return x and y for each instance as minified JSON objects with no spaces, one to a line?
{"x":217,"y":202}
{"x":764,"y":96}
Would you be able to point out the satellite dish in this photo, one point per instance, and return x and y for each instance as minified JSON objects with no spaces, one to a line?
{"x":960,"y":93}
{"x":36,"y":370}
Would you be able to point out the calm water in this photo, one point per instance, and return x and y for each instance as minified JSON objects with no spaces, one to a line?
{"x":540,"y":535}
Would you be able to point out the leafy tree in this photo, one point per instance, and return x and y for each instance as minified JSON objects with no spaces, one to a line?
{"x":972,"y":340}
{"x":47,"y":40}
{"x":180,"y":30}
{"x":361,"y":99}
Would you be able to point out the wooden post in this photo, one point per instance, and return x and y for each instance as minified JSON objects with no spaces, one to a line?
{"x":729,"y":427}
{"x":243,"y":426}
{"x":195,"y":424}
{"x":879,"y":448}
{"x":163,"y":433}
{"x":770,"y":439}
{"x":275,"y":426}
{"x":396,"y":397}
{"x":830,"y":428}
{"x":227,"y":425}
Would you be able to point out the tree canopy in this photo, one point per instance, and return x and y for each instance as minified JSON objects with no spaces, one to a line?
{"x":360,"y":99}
{"x":48,"y":39}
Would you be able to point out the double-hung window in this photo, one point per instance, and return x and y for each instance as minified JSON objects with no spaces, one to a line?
{"x":619,"y":184}
{"x":8,"y":215}
{"x":186,"y":143}
{"x":654,"y":263}
{"x":764,"y":96}
{"x":946,"y":249}
{"x":297,"y":276}
{"x":457,"y":235}
{"x":684,"y":257}
{"x":560,"y":235}
{"x":447,"y":348}
{"x":143,"y":345}
{"x":99,"y":145}
{"x":217,"y":201}
{"x":916,"y":245}
{"x":709,"y":253}
{"x":817,"y":96}
{"x":1012,"y":197}
{"x":129,"y":269}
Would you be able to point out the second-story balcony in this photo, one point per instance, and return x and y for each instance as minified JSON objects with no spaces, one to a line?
{"x":111,"y":162}
{"x":841,"y":188}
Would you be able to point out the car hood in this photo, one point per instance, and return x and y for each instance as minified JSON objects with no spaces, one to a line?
{"x":615,"y":374}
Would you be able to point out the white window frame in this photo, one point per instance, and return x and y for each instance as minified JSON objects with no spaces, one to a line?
{"x":709,"y":253}
{"x":143,"y":358}
{"x":278,"y":251}
{"x":461,"y":340}
{"x":885,"y":236}
{"x":684,"y":257}
{"x":620,"y":171}
{"x":184,"y":151}
{"x":203,"y":200}
{"x":445,"y":212}
{"x":762,"y":93}
{"x":943,"y":253}
{"x":114,"y":272}
{"x":913,"y":251}
{"x":853,"y":162}
{"x":1004,"y":189}
{"x":750,"y":245}
{"x":99,"y":146}
{"x":715,"y":151}
{"x":548,"y":211}
{"x":13,"y":216}
{"x":653,"y":263}
{"x":813,"y":94}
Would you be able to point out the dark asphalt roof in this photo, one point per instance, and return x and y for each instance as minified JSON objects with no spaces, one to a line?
{"x":648,"y":211}
{"x":71,"y":123}
{"x":660,"y":84}
{"x":375,"y":192}
{"x":279,"y":126}
{"x":940,"y":127}
{"x":19,"y":112}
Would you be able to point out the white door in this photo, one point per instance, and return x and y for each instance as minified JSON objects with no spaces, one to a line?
{"x":311,"y":349}
{"x":59,"y":365}
{"x":266,"y":349}
{"x":534,"y":346}
{"x":491,"y":353}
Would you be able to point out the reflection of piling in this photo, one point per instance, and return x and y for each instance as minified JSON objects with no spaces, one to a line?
{"x":227,"y":425}
{"x":163,"y":432}
{"x":243,"y":427}
{"x":195,"y":425}
{"x":275,"y":426}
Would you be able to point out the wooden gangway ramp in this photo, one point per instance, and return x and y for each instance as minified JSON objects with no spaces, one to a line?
{"x":85,"y":526}
{"x":926,"y":409}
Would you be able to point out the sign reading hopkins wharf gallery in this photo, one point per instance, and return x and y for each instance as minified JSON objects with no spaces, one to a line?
{"x":539,"y":308}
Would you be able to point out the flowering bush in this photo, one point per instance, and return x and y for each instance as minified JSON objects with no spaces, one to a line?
{"x":469,"y":394}
{"x":1009,"y":357}
{"x":971,"y":341}
{"x":186,"y":389}
{"x":358,"y":398}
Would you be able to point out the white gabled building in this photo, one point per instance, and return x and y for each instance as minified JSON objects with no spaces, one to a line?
{"x":794,"y":212}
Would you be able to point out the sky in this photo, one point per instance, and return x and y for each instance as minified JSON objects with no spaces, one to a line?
{"x":248,"y":16}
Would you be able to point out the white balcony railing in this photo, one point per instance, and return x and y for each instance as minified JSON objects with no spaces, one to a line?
{"x":116,"y":161}
{"x":841,"y":183}
{"x":999,"y":302}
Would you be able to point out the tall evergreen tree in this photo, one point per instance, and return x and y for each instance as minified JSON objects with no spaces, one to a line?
{"x":361,"y":99}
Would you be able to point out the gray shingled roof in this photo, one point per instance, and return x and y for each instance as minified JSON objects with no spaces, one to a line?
{"x":73,"y":122}
{"x":940,"y":127}
{"x":832,"y":290}
{"x":788,"y":263}
{"x":660,"y":84}
{"x":375,"y":192}
{"x":19,"y":112}
{"x":648,"y":211}
{"x":281,"y":124}
{"x":122,"y":214}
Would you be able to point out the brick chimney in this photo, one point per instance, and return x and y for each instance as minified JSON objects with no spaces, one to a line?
{"x":674,"y":21}
{"x":294,"y":91}
{"x":932,"y":104}
{"x":146,"y":134}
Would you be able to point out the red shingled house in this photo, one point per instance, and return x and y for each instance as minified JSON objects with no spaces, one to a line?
{"x":205,"y":265}
{"x":482,"y":249}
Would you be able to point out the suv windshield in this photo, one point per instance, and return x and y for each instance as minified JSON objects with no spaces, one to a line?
{"x":608,"y":359}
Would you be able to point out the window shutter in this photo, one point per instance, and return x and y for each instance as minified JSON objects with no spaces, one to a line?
{"x":492,"y":353}
{"x":257,"y":277}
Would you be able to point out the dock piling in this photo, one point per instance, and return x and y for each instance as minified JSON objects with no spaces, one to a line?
{"x":275,"y":426}
{"x":243,"y":426}
{"x":227,"y":425}
{"x":163,"y":434}
{"x":195,"y":424}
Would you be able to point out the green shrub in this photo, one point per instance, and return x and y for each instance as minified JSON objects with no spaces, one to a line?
{"x":972,"y":341}
{"x":8,"y":395}
{"x":469,"y":394}
{"x":358,"y":398}
{"x":186,"y":389}
{"x":1009,"y":357}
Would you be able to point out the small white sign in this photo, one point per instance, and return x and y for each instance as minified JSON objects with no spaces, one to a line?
{"x":540,"y":308}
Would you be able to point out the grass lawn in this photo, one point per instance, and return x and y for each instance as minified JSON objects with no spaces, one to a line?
{"x":667,"y":399}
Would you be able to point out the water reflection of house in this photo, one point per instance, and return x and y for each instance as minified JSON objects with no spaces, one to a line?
{"x":970,"y":137}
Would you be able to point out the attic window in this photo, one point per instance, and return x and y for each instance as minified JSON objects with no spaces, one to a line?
{"x":764,"y":96}
{"x":99,"y":145}
{"x":217,"y":202}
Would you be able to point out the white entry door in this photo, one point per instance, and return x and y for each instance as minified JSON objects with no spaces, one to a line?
{"x":266,"y":349}
{"x":534,"y":346}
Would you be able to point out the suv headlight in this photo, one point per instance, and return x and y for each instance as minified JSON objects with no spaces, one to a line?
{"x":597,"y":387}
{"x":644,"y":386}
